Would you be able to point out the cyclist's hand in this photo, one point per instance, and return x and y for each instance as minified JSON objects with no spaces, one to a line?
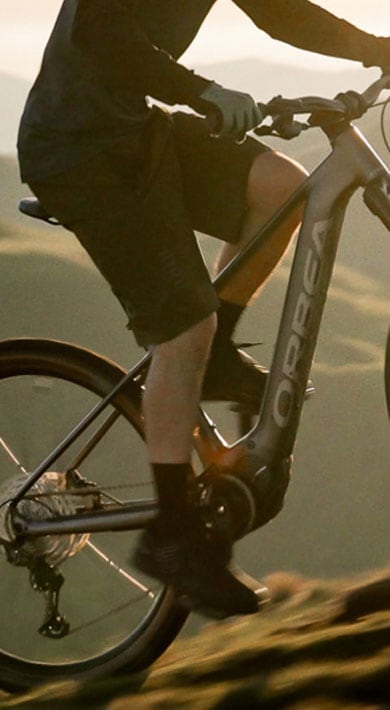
{"x":236,"y":113}
{"x":355,"y":105}
{"x":377,"y":54}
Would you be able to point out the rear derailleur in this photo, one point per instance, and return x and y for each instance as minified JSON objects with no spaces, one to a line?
{"x":48,"y":581}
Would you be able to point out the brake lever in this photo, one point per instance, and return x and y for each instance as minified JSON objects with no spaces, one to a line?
{"x":287,"y":127}
{"x":282,"y":127}
{"x":372,"y":93}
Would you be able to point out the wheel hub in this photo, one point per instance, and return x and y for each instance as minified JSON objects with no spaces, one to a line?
{"x":48,"y":498}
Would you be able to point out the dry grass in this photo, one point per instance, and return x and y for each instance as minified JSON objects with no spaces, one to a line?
{"x":318,"y":646}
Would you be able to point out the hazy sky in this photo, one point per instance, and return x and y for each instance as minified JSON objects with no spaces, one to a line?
{"x":228,"y":34}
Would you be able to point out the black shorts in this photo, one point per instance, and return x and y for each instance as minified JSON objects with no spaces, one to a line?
{"x":135,"y":206}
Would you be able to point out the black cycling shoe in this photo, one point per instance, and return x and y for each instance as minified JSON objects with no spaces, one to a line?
{"x":233,"y":376}
{"x":195,"y":565}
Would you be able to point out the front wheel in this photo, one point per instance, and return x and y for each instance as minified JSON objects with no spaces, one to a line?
{"x":118,"y":619}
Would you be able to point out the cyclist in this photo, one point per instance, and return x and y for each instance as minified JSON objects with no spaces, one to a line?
{"x":132,"y":182}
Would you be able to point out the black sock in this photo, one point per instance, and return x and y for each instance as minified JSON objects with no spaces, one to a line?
{"x":228,"y":315}
{"x":173,"y":484}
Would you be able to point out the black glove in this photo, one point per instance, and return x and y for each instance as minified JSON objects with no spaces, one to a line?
{"x":230,"y":113}
{"x":355,"y":105}
{"x":377,"y":54}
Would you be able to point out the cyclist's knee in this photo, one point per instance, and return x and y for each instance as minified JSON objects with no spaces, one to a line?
{"x":200,"y":336}
{"x":273,"y":177}
{"x":192,"y":344}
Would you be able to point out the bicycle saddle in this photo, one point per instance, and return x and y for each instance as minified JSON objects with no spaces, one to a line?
{"x":33,"y":208}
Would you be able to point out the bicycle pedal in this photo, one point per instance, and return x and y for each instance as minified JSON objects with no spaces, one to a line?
{"x":257,"y":587}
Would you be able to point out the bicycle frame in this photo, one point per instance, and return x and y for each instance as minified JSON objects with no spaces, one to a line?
{"x":269,"y":444}
{"x":326,"y":192}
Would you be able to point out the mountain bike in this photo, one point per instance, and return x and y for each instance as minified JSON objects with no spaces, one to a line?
{"x":75,"y":485}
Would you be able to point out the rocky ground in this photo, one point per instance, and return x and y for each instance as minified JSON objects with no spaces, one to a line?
{"x":320,"y":645}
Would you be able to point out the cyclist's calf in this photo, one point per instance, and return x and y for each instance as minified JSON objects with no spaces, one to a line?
{"x":173,"y":389}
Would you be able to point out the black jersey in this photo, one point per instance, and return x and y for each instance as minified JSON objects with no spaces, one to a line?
{"x":105,"y":56}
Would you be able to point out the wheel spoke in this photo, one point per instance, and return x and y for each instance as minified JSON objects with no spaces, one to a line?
{"x":91,"y":623}
{"x":12,"y":456}
{"x":132,"y":580}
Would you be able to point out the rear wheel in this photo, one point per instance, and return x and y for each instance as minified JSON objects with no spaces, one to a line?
{"x":118,"y":619}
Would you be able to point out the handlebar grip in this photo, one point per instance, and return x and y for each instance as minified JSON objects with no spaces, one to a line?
{"x":214,"y":119}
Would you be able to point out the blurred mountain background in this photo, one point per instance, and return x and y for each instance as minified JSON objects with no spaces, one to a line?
{"x":335,"y":521}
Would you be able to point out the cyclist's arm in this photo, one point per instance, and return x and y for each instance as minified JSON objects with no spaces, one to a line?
{"x":108,"y":33}
{"x":305,"y":25}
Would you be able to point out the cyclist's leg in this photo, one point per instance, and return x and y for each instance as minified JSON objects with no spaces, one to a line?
{"x":175,"y":379}
{"x":228,"y":194}
{"x":230,"y":191}
{"x":176,"y":548}
{"x":272,"y":179}
{"x":145,"y":248}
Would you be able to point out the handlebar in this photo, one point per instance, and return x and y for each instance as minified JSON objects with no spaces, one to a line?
{"x":323,"y":111}
{"x":313,"y":104}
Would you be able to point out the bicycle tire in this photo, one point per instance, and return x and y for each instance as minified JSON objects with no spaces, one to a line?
{"x":387,"y":373}
{"x":57,"y":365}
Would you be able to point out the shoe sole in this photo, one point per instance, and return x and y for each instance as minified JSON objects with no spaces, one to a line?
{"x":189,"y":599}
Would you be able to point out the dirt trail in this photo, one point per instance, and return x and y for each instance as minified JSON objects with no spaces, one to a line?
{"x":318,"y":646}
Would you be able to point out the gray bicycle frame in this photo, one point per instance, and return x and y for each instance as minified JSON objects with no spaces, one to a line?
{"x":326,"y":192}
{"x":351,"y":164}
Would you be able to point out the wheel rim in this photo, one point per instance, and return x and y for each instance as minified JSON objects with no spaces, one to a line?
{"x":107,"y":604}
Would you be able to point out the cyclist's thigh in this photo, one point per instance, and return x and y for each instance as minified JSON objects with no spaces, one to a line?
{"x":141,"y":242}
{"x":215,"y":176}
